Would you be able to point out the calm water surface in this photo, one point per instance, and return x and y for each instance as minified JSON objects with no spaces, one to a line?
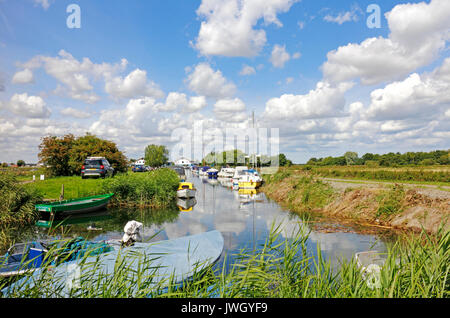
{"x":243,"y":219}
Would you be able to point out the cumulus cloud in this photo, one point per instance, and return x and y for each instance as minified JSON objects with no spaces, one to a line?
{"x":195,"y":104}
{"x":326,"y":100}
{"x":279,"y":56}
{"x":181,"y":103}
{"x":342,"y":17}
{"x":23,"y":77}
{"x":230,"y":110}
{"x":425,"y":95}
{"x":76,"y":76}
{"x":28,"y":106}
{"x":415,"y":40}
{"x":247,"y":70}
{"x":136,"y":84}
{"x":229,"y":27}
{"x":76,"y":113}
{"x":44,"y":3}
{"x":204,"y":81}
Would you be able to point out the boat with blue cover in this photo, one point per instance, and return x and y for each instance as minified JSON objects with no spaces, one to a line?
{"x":174,"y":260}
{"x":27,"y":257}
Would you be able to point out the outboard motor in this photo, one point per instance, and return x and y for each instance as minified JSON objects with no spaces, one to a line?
{"x":132,"y":233}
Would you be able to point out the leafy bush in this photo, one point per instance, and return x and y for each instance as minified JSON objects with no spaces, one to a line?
{"x":156,"y":188}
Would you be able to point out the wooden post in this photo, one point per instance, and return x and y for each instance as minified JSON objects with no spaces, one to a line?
{"x":61,"y":196}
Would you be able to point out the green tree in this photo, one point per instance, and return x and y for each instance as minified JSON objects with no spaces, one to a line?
{"x":93,"y":146}
{"x":64,"y":156}
{"x":283,"y":161}
{"x":20,"y":163}
{"x":351,"y":158}
{"x":54,"y":154}
{"x":156,"y":155}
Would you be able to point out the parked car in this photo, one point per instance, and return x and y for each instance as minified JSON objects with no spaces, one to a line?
{"x":96,"y":167}
{"x":138,"y":168}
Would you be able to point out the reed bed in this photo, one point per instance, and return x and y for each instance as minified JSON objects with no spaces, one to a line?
{"x":416,"y":267}
{"x":16,"y":207}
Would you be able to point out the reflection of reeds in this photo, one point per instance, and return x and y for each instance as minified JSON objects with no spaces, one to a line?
{"x":414,"y":268}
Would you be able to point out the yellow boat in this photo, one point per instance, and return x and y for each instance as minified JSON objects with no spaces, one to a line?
{"x":186,"y":190}
{"x":250,"y":180}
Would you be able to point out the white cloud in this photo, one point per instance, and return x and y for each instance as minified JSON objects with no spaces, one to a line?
{"x":289,"y":80}
{"x":75,"y":75}
{"x":195,"y":104}
{"x":44,"y":3}
{"x":343,"y":17}
{"x":229,"y":26}
{"x":204,"y":81}
{"x":325,"y":100}
{"x":423,"y":95}
{"x":28,"y":106}
{"x":247,"y":70}
{"x":301,"y":24}
{"x":134,"y":85}
{"x":414,"y":41}
{"x":230,"y":110}
{"x":76,"y":113}
{"x":279,"y":56}
{"x":23,"y":77}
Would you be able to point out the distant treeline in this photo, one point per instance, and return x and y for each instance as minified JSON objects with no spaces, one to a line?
{"x":438,"y":157}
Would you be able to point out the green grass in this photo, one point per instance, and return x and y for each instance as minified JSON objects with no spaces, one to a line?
{"x":74,"y":187}
{"x":416,"y":267}
{"x":439,"y":175}
{"x":390,"y":201}
{"x":150,"y":189}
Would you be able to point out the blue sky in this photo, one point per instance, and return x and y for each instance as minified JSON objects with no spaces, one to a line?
{"x":136,"y":70}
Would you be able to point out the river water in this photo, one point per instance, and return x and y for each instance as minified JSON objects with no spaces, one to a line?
{"x":244,"y":219}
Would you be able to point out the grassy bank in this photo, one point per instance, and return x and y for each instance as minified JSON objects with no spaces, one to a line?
{"x":148,"y":189}
{"x":281,"y":268}
{"x":155,"y":189}
{"x":386,"y":207}
{"x":439,"y":175}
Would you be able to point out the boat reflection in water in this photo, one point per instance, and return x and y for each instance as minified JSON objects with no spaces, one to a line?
{"x":250,"y":195}
{"x":225,"y":182}
{"x":186,"y":205}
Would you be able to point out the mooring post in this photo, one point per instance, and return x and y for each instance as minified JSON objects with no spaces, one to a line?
{"x":61,"y":196}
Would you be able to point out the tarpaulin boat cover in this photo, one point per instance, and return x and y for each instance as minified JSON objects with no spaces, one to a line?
{"x":178,"y":258}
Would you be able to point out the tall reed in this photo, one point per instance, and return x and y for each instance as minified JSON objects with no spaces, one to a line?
{"x":417,"y":267}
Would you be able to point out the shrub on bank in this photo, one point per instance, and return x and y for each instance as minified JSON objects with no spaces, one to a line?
{"x":16,"y":207}
{"x":151,"y":189}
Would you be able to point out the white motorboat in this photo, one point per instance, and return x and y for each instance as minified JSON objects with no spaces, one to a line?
{"x":238,"y":173}
{"x":226,"y":173}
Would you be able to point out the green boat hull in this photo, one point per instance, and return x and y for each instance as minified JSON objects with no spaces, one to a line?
{"x":82,"y":205}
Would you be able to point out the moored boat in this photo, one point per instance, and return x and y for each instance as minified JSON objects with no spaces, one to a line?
{"x":186,"y":190}
{"x":238,"y":173}
{"x":250,"y":180}
{"x":168,"y":262}
{"x":27,"y":257}
{"x":212,"y":173}
{"x":74,"y":206}
{"x":226,"y":173}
